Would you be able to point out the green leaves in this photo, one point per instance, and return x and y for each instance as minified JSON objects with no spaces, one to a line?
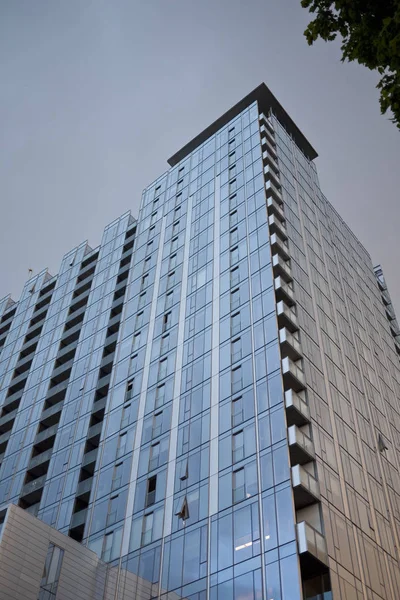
{"x":370,"y":32}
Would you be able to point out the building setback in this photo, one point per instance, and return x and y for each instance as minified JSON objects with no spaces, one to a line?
{"x":208,"y":402}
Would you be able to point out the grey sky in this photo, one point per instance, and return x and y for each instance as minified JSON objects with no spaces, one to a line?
{"x":97,"y":94}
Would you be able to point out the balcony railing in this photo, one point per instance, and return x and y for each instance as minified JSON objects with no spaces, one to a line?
{"x":293,"y":375}
{"x":277,"y":226}
{"x":289,"y":345}
{"x":264,"y":121}
{"x":274,"y":208}
{"x":272,"y":190}
{"x":267,"y":158}
{"x":272,"y":175}
{"x":287,"y":317}
{"x":278,"y":246}
{"x":266,"y":132}
{"x":284,"y":291}
{"x":33,"y":486}
{"x":305,"y":487}
{"x":301,"y":447}
{"x":312,"y":550}
{"x":297,"y":409}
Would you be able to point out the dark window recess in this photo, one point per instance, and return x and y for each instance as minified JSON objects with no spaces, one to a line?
{"x":151,"y":491}
{"x":183,"y":512}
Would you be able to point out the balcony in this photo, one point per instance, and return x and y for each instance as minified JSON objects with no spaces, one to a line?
{"x":31,"y":491}
{"x":4,"y":440}
{"x":301,"y":447}
{"x":273,"y":192}
{"x":385,"y":297}
{"x":57,"y":393}
{"x":79,"y":518}
{"x":305,"y":487}
{"x":264,"y":121}
{"x":38,"y":464}
{"x":51,"y":416}
{"x":12,"y":401}
{"x":274,"y":208}
{"x":24,"y":363}
{"x":293,"y":376}
{"x":276,"y":226}
{"x":390,"y":312}
{"x":394,"y":328}
{"x":397,"y":345}
{"x":312,"y":550}
{"x":89,"y":460}
{"x":278,"y":246}
{"x":84,"y":488}
{"x":95,"y":431}
{"x":265,"y":131}
{"x":282,"y":269}
{"x":7,"y":421}
{"x":271,"y":175}
{"x":268,"y":158}
{"x":287,"y":317}
{"x":284,"y":291}
{"x":46,"y":434}
{"x":289,"y":345}
{"x":297,"y":409}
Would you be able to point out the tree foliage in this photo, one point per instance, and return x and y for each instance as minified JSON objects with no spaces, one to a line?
{"x":370,"y":33}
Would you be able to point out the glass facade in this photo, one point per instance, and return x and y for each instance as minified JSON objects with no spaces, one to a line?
{"x":204,"y":399}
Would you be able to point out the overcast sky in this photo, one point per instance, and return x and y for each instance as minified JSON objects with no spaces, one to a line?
{"x":96,"y":94}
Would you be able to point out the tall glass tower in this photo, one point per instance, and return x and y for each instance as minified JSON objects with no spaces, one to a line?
{"x":208,"y":402}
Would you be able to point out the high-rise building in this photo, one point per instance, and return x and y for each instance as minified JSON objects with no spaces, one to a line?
{"x":208,"y":402}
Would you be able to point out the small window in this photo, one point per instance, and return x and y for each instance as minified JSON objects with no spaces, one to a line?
{"x":166,"y":321}
{"x":145,"y":281}
{"x":236,"y":350}
{"x":129,"y":390}
{"x":234,"y":276}
{"x":154,"y":456}
{"x":174,"y":244}
{"x":232,"y":172}
{"x":169,"y":300}
{"x":162,"y":368}
{"x":232,"y":201}
{"x":151,"y":491}
{"x":234,"y":255}
{"x":136,"y":342}
{"x":153,"y":217}
{"x":234,"y":236}
{"x":171,"y":280}
{"x":149,"y":247}
{"x":147,"y":263}
{"x":183,"y":512}
{"x":160,"y":395}
{"x":122,"y":441}
{"x":172,"y":261}
{"x":157,"y":424}
{"x":238,"y":485}
{"x":139,"y":319}
{"x":235,"y":298}
{"x":233,"y":218}
{"x":155,"y":202}
{"x":51,"y":573}
{"x":157,"y":188}
{"x":235,"y":323}
{"x":237,"y":411}
{"x":147,"y":531}
{"x":237,"y":447}
{"x":237,"y":383}
{"x":175,"y":227}
{"x":142,"y":300}
{"x":232,"y":186}
{"x":164,"y":345}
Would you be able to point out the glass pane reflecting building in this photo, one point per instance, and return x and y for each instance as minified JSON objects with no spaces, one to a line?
{"x":208,"y":402}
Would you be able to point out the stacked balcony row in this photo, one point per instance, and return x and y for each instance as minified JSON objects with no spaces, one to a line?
{"x":306,"y":494}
